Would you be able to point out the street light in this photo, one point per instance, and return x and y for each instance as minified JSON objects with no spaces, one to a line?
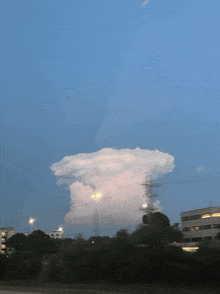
{"x":31,"y":220}
{"x":97,"y":196}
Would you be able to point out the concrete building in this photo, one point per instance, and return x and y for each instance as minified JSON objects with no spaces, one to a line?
{"x":6,"y":233}
{"x":200,"y":224}
{"x":53,"y":234}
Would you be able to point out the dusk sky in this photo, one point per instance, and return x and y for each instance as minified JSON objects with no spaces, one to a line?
{"x":92,"y":92}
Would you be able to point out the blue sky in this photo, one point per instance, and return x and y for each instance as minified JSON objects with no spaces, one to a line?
{"x":77,"y":77}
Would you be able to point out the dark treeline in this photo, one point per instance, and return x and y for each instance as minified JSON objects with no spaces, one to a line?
{"x":143,"y":256}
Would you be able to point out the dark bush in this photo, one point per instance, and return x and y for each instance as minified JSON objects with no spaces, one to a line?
{"x":23,"y":265}
{"x":3,"y":265}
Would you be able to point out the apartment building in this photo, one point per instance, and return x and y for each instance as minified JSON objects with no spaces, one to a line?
{"x":58,"y":234}
{"x":6,"y":233}
{"x":200,"y":224}
{"x":55,"y":234}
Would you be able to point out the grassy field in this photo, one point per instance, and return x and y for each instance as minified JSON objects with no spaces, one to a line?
{"x":98,"y":288}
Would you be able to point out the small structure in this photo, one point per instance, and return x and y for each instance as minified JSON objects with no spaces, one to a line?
{"x":57,"y":234}
{"x":6,"y":233}
{"x":200,"y":225}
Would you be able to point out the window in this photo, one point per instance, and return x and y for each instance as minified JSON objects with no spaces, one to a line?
{"x":3,"y":240}
{"x":187,"y":240}
{"x":196,"y":239}
{"x":198,"y":216}
{"x":216,"y":214}
{"x":3,"y":246}
{"x":206,"y":215}
{"x":2,"y":252}
{"x":195,"y":229}
{"x":206,"y":227}
{"x":57,"y":235}
{"x":186,"y":229}
{"x":4,"y":234}
{"x":52,"y":235}
{"x":207,"y":238}
{"x":216,"y":226}
{"x":185,"y":218}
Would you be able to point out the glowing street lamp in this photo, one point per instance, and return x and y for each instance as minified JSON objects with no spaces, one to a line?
{"x":60,"y":229}
{"x":31,"y":220}
{"x":97,"y":196}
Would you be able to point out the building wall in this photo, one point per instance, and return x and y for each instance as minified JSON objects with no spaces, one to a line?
{"x":201,"y":224}
{"x":53,"y":234}
{"x":5,"y":233}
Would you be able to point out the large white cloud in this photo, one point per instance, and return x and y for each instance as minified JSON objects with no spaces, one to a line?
{"x":118,"y":175}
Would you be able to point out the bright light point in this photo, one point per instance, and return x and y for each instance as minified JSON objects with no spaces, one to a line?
{"x":144,"y":205}
{"x":97,"y":196}
{"x":31,"y":221}
{"x":60,"y":229}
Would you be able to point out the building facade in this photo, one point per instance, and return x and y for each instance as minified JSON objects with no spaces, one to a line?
{"x":201,"y":224}
{"x":53,"y":234}
{"x":6,"y":233}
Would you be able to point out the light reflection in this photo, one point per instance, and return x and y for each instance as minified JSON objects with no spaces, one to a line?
{"x":216,"y":214}
{"x":206,"y":215}
{"x":190,"y":249}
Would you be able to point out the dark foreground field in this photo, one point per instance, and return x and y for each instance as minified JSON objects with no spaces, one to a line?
{"x":90,"y":288}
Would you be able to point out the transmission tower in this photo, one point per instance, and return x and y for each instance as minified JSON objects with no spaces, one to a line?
{"x":149,"y":206}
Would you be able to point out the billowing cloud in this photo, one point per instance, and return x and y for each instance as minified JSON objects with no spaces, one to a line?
{"x":118,"y":175}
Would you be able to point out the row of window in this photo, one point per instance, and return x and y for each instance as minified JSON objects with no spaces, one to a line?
{"x":52,"y":235}
{"x":198,"y":239}
{"x":199,"y":216}
{"x":198,"y":228}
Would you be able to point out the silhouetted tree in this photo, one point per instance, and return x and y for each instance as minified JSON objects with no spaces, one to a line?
{"x":41,"y":243}
{"x":174,"y":233}
{"x":157,"y":219}
{"x":18,"y":242}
